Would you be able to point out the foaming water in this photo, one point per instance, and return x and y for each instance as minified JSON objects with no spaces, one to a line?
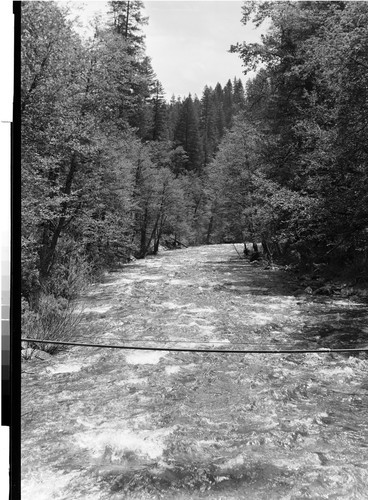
{"x":149,"y":424}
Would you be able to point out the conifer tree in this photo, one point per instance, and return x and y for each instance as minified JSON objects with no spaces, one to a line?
{"x":143,"y":91}
{"x":238,"y":96}
{"x":209,"y":133}
{"x":159,"y":130}
{"x":187,"y":134}
{"x":173,"y":115}
{"x":228,"y":103}
{"x":128,"y":21}
{"x":219,"y":107}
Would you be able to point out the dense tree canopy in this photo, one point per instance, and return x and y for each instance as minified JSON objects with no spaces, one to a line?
{"x":111,"y":169}
{"x":309,"y":102}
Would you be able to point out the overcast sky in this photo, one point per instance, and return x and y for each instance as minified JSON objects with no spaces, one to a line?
{"x":188,"y":41}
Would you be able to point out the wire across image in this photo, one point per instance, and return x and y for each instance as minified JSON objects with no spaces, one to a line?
{"x":182,"y":349}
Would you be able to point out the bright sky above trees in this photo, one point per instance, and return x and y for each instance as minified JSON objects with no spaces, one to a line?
{"x":188,"y":41}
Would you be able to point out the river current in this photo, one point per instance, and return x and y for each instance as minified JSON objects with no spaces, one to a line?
{"x":113,"y":424}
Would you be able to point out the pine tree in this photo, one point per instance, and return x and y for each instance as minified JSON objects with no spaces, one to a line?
{"x":219,"y":106}
{"x":238,"y":96}
{"x":173,"y":115}
{"x":187,"y":134}
{"x":228,"y":103}
{"x":128,"y":22}
{"x":159,"y":130}
{"x":208,"y":129}
{"x":143,"y":90}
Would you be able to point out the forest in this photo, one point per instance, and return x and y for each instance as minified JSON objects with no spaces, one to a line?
{"x":111,"y":170}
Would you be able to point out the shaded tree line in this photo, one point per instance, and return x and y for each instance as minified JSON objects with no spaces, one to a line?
{"x":293,"y":170}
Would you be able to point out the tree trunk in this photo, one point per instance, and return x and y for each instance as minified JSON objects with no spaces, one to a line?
{"x":142,"y":248}
{"x":146,"y":248}
{"x":157,"y":241}
{"x":267,"y":251}
{"x":51,"y":236}
{"x":126,"y":28}
{"x":210,"y":225}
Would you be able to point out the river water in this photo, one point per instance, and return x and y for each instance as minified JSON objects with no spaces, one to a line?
{"x":112,"y":424}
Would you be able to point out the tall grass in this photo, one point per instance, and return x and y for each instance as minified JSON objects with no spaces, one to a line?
{"x":55,"y":315}
{"x":56,"y":319}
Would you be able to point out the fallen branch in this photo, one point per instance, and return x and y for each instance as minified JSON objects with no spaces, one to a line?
{"x":237,"y":251}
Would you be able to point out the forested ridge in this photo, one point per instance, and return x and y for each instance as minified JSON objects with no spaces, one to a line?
{"x":111,"y":170}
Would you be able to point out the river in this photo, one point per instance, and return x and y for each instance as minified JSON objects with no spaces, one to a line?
{"x":110,"y":424}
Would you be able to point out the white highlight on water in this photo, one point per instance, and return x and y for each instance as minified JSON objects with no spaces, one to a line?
{"x":143,"y":358}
